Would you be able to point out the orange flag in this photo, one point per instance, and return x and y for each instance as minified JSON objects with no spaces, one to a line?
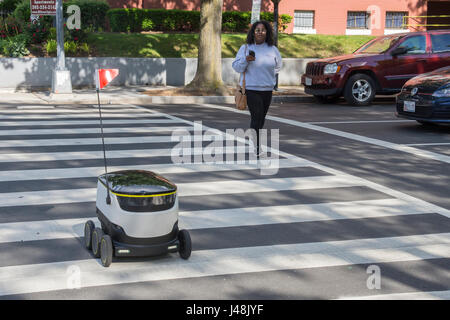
{"x":105,"y":76}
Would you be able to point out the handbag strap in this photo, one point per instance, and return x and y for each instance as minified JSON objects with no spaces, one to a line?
{"x":243,"y":80}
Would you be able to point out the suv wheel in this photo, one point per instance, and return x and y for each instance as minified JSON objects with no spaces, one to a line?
{"x":359,"y":90}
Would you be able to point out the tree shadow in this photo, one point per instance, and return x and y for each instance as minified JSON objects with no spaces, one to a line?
{"x":36,"y":73}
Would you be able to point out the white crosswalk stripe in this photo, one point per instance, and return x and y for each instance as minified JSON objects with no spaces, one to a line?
{"x":92,"y":110}
{"x":54,"y":276}
{"x":83,"y":122}
{"x":39,"y":277}
{"x":184,"y":189}
{"x":90,"y":141}
{"x":88,"y":115}
{"x":91,"y":130}
{"x":199,"y":219}
{"x":18,"y":175}
{"x":431,"y":295}
{"x":78,"y":155}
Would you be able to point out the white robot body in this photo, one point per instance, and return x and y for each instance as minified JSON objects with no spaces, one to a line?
{"x":136,"y":224}
{"x":138,"y":212}
{"x":141,"y":206}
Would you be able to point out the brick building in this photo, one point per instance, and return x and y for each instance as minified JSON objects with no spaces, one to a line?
{"x":367,"y":17}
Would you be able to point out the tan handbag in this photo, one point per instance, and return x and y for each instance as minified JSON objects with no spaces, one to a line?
{"x":240,"y":98}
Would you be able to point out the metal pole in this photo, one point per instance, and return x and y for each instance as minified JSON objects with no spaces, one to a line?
{"x":61,"y":82}
{"x":61,"y":58}
{"x":108,"y":197}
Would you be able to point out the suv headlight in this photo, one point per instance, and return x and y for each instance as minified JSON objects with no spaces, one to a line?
{"x":444,"y":92}
{"x":331,"y":68}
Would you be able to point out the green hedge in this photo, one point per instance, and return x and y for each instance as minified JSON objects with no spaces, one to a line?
{"x":283,"y":19}
{"x":22,"y":11}
{"x":136,"y":20}
{"x":8,"y":5}
{"x":93,"y":13}
{"x":235,"y":21}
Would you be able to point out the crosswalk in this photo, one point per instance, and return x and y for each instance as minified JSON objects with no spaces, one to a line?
{"x":303,"y":217}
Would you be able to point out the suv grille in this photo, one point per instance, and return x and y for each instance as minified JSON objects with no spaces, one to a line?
{"x":314,"y":69}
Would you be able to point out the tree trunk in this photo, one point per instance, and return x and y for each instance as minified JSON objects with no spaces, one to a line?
{"x":275,"y":21}
{"x":209,"y":66}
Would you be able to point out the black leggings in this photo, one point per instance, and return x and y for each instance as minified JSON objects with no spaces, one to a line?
{"x":258,"y":104}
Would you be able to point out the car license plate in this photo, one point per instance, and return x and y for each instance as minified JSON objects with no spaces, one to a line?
{"x":308,"y":81}
{"x":409,"y":106}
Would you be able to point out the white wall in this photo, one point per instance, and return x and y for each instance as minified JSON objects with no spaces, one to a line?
{"x":37,"y":72}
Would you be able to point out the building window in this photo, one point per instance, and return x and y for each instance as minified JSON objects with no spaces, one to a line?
{"x":304,"y":19}
{"x":394,"y":20}
{"x":358,"y":20}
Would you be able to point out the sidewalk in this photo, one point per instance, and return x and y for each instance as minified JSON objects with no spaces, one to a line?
{"x":134,"y":95}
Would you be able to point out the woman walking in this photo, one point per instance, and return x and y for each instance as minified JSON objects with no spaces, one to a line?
{"x":261,"y":61}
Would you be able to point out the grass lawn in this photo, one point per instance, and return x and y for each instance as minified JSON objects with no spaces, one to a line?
{"x":172,"y":45}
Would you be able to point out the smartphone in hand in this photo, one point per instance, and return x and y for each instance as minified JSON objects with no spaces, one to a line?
{"x":251,"y":53}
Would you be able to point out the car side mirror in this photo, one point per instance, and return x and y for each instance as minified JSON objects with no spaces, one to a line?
{"x":399,"y":51}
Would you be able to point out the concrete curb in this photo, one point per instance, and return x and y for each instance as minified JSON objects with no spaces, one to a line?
{"x":221,"y":99}
{"x":124,"y":96}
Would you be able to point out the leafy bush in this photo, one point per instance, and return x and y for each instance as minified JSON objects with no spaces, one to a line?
{"x":52,"y":34}
{"x":23,"y":11}
{"x":76,"y":35}
{"x":84,"y":48}
{"x":51,"y":46}
{"x":2,"y":42}
{"x":136,"y":20}
{"x":15,"y":47}
{"x":147,"y":24}
{"x":9,"y":26}
{"x":70,"y":47}
{"x":37,"y":32}
{"x":8,"y":5}
{"x":283,"y":19}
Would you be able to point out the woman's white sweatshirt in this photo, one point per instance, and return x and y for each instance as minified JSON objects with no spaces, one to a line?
{"x":259,"y":74}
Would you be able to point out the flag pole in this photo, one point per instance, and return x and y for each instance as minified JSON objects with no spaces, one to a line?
{"x":108,"y":197}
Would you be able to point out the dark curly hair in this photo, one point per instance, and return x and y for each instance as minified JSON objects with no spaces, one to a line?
{"x":269,"y":32}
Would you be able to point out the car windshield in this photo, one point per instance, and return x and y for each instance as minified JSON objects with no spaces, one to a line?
{"x":378,"y":45}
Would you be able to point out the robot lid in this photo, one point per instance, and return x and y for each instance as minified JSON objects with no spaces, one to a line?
{"x":138,"y":183}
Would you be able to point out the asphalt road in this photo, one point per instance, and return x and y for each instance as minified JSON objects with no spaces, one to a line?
{"x":359,"y":207}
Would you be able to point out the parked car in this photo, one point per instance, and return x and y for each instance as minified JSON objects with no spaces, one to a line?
{"x":426,"y":98}
{"x":381,"y":66}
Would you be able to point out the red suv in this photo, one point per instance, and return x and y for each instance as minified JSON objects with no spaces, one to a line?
{"x":381,"y":66}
